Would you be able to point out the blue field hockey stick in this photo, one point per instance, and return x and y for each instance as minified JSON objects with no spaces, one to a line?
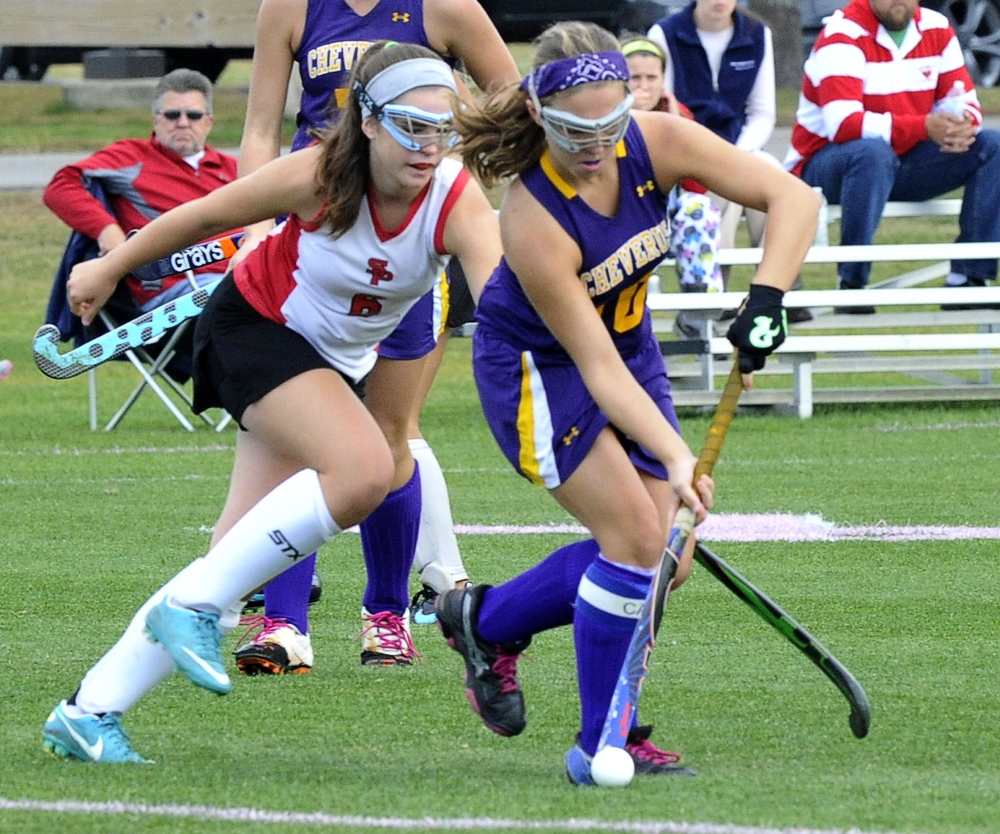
{"x":147,"y":327}
{"x":625,"y":699}
{"x":140,"y":331}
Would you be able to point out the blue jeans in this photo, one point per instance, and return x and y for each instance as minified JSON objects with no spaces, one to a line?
{"x":864,"y":174}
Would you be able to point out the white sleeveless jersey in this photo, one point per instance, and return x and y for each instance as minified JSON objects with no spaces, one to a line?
{"x":344,"y":295}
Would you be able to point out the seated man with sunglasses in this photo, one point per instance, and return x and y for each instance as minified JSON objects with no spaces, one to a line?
{"x":143,"y":178}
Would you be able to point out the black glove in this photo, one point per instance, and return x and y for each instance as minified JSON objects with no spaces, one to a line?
{"x":759,"y":328}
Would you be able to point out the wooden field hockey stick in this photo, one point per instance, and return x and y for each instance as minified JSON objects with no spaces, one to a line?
{"x":861,"y":714}
{"x":147,"y":327}
{"x":625,"y":698}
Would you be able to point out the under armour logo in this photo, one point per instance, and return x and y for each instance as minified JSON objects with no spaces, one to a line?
{"x":377,"y":270}
{"x":571,"y":435}
{"x":285,"y":546}
{"x":645,"y":188}
{"x":400,"y":17}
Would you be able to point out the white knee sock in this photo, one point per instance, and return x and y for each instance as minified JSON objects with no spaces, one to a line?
{"x":436,"y":541}
{"x":288,"y":523}
{"x":292,"y":518}
{"x":134,"y":665}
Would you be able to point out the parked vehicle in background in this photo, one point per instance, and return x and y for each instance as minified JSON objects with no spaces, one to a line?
{"x":30,"y":63}
{"x":522,"y":20}
{"x":207,"y":34}
{"x":199,"y":34}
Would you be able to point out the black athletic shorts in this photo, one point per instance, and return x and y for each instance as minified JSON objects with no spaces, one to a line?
{"x":239,"y":356}
{"x":461,"y":307}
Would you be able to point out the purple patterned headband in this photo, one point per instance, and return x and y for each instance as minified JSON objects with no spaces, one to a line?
{"x":579,"y":69}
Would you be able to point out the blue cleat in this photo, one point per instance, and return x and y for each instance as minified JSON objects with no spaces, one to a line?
{"x":647,"y":757}
{"x":578,"y":766}
{"x":422,"y":606}
{"x":193,"y":641}
{"x":90,"y":738}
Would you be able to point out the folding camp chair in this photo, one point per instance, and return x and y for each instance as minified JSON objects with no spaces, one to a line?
{"x":161,"y":366}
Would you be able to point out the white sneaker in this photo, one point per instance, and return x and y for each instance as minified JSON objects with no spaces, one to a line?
{"x":385,"y":639}
{"x":278,"y":648}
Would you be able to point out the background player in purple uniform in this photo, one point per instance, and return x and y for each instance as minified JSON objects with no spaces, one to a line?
{"x":325,"y":38}
{"x":310,"y":460}
{"x":569,"y":371}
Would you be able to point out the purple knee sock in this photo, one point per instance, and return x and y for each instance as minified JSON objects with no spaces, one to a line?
{"x":389,"y":543}
{"x":602,"y":631}
{"x":540,"y":598}
{"x":286,"y":597}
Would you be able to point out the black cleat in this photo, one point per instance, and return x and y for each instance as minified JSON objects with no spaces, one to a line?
{"x":491,"y":680}
{"x":651,"y":759}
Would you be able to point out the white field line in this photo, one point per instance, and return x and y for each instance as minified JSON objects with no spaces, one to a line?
{"x":318,"y":819}
{"x":900,"y":427}
{"x":72,"y":452}
{"x":766,"y":527}
{"x":718,"y":527}
{"x":119,"y":479}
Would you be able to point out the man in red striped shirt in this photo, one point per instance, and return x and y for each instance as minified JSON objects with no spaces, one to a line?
{"x":888,"y":111}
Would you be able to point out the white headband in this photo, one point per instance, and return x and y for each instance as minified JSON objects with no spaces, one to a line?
{"x":401,"y":77}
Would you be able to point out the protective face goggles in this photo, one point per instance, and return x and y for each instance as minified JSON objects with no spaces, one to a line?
{"x":575,"y":133}
{"x":415,"y":129}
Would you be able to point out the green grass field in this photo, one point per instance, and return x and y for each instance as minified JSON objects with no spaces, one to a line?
{"x":93,"y":523}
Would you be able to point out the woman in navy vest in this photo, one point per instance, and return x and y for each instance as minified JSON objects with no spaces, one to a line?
{"x":720,"y":63}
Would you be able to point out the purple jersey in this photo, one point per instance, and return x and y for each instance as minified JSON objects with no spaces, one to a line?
{"x":619,"y":253}
{"x":334,"y":38}
{"x":533,"y":396}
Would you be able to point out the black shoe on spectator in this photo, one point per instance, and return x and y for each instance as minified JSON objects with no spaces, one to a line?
{"x":857,"y":310}
{"x":969,"y":282}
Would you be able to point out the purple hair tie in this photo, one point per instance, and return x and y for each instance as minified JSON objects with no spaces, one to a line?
{"x":579,"y":69}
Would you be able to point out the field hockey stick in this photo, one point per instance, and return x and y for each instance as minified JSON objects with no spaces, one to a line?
{"x":140,"y":331}
{"x":145,"y":328}
{"x":861,"y":715}
{"x":194,"y":257}
{"x":625,"y":698}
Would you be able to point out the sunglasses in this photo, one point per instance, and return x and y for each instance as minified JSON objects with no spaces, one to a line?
{"x":174,"y":115}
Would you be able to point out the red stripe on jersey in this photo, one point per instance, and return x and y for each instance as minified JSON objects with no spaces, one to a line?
{"x":454,"y":193}
{"x":380,"y":230}
{"x":267,"y":276}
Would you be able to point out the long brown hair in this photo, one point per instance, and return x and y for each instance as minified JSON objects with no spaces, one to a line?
{"x":344,"y":168}
{"x":500,"y":139}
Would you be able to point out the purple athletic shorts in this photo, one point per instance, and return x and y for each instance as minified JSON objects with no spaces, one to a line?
{"x":542,"y":414}
{"x":417,"y":334}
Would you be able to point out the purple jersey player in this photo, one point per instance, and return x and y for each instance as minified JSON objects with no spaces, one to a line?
{"x":569,"y":372}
